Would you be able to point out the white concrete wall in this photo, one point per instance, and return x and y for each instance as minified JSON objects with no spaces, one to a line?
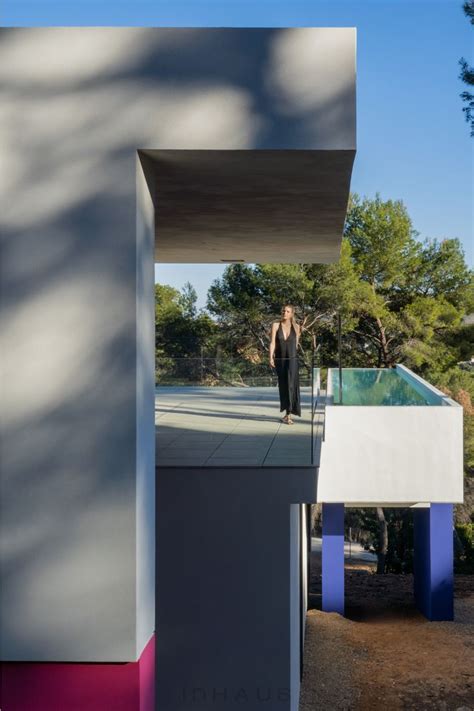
{"x":145,"y":420}
{"x":304,"y":566}
{"x":77,"y":469}
{"x":69,"y":419}
{"x":392,"y":454}
{"x":75,"y":105}
{"x":295,"y":603}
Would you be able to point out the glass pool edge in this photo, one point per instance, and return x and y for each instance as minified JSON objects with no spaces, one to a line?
{"x":383,"y":387}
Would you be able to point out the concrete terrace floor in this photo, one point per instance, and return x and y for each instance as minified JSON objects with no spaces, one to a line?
{"x":227,"y":426}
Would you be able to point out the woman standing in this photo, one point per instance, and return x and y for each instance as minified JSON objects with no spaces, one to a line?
{"x":284,"y":341}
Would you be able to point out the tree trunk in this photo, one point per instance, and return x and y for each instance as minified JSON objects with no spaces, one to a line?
{"x":383,"y":341}
{"x":458,"y":546}
{"x":383,"y":541}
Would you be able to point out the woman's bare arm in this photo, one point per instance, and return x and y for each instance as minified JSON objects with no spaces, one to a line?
{"x":272,"y":343}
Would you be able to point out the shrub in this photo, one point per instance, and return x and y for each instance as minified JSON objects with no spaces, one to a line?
{"x":464,"y":558}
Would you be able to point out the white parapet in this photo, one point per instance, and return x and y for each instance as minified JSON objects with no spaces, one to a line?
{"x":393,"y":454}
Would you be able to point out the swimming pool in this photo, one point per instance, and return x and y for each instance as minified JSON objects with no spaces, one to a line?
{"x":381,"y":387}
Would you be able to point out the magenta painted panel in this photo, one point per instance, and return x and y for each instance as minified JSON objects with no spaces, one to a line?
{"x":146,"y":671}
{"x":45,"y":686}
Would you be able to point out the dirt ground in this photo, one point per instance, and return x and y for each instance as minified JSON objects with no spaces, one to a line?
{"x":384,"y":654}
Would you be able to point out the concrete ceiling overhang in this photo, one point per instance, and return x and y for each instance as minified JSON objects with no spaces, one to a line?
{"x":281,"y":206}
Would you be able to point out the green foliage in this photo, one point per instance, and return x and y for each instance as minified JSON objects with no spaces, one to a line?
{"x":442,"y":271}
{"x":464,"y":559}
{"x":461,"y":339}
{"x":466,"y":534}
{"x":467,"y":72}
{"x":424,"y":324}
{"x":181,"y":334}
{"x":421,"y":290}
{"x":383,"y":242}
{"x":459,"y":384}
{"x":187,"y":301}
{"x":236,"y":293}
{"x":399,"y":556}
{"x":166,"y":302}
{"x":455,"y":380}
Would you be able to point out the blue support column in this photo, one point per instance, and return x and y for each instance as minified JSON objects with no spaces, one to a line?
{"x":433,"y":564}
{"x":333,"y":558}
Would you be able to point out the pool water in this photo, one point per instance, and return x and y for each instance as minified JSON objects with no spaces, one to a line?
{"x":375,"y":386}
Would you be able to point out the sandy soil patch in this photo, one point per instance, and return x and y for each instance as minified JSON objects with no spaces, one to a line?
{"x":384,"y":654}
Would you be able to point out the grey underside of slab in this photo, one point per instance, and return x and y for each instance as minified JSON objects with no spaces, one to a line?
{"x":225,"y":426}
{"x":250,"y":204}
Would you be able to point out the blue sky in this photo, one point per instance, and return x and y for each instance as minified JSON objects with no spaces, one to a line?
{"x":413,"y":142}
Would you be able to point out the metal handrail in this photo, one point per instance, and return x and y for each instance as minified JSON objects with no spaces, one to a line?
{"x":314,"y":396}
{"x":339,"y":354}
{"x":312,"y":407}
